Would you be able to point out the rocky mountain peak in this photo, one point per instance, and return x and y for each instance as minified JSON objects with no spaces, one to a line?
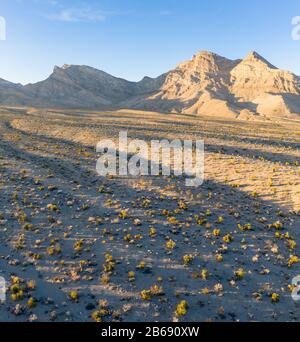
{"x":255,"y":58}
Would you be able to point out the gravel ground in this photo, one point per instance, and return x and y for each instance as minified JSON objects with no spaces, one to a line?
{"x":79,"y":247}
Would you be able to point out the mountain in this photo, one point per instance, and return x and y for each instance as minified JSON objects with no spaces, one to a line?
{"x":269,"y":90}
{"x":82,"y":86}
{"x":193,"y":87}
{"x":208,"y":84}
{"x":213,"y":85}
{"x":11,"y":93}
{"x":74,"y":86}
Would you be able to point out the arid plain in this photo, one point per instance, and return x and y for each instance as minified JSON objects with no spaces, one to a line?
{"x":79,"y":247}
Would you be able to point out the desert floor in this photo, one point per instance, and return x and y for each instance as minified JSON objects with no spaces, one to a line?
{"x":78,"y":247}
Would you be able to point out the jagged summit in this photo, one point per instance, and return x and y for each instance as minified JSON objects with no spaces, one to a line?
{"x":203,"y":57}
{"x":206,"y":54}
{"x":254,"y":57}
{"x":207,"y":84}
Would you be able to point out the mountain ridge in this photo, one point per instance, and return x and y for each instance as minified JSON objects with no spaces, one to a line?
{"x":207,"y":84}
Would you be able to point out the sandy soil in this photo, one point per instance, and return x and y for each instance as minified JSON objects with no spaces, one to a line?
{"x":78,"y":247}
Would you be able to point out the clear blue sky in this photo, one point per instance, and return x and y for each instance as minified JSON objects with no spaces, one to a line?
{"x":131,"y":38}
